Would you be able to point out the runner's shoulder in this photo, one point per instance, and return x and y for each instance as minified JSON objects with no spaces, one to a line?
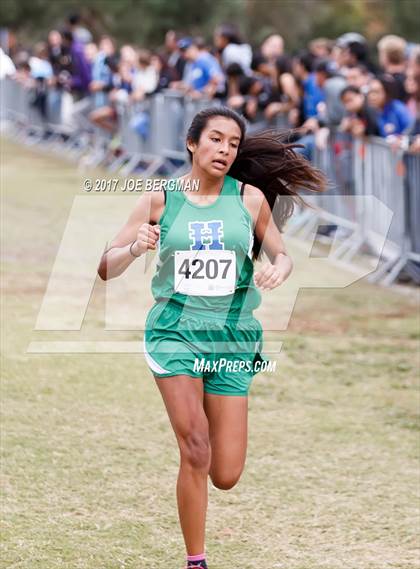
{"x":253,"y":197}
{"x":253,"y":191}
{"x":255,"y":201}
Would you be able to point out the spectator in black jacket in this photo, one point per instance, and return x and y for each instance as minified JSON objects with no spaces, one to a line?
{"x":246,"y":95}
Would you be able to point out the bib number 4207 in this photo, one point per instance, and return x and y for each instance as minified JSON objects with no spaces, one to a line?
{"x":206,"y":272}
{"x":204,"y":269}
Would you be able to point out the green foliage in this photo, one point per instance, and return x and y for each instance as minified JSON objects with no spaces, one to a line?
{"x":405,"y":18}
{"x":146,"y":21}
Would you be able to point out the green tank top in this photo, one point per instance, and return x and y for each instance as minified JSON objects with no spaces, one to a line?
{"x":223,"y":226}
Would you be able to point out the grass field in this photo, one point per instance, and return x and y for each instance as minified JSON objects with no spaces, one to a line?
{"x":89,"y":461}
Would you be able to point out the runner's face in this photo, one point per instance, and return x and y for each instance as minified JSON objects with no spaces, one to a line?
{"x":217,"y":147}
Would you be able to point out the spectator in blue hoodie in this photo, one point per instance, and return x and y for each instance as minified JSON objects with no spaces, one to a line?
{"x":312,"y":94}
{"x":393,"y":116}
{"x":202,"y":73}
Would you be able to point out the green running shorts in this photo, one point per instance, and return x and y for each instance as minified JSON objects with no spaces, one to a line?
{"x":222,"y":350}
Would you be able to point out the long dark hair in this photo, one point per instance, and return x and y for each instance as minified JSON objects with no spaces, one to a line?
{"x":266,"y":160}
{"x":389,"y":85}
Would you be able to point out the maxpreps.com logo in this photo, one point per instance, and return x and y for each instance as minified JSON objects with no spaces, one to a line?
{"x":206,"y":234}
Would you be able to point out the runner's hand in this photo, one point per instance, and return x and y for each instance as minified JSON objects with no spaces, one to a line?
{"x":268,"y":277}
{"x":147,"y":237}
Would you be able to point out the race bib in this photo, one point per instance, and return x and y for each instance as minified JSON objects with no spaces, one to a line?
{"x":205,"y":272}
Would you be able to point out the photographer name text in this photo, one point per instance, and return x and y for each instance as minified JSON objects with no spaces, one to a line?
{"x":130,"y":185}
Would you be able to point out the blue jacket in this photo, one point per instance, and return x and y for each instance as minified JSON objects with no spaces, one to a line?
{"x":198,"y":73}
{"x":312,"y":95}
{"x":394,"y":119}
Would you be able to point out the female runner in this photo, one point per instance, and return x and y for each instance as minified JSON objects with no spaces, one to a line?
{"x":205,"y":291}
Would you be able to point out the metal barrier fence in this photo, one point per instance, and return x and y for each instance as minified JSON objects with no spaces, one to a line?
{"x":372,"y":204}
{"x":336,"y":160}
{"x":335,"y":209}
{"x":412,"y":165}
{"x":34,"y":107}
{"x":151,"y":138}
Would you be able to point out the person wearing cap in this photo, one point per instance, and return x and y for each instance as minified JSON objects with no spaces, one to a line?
{"x":351,"y":49}
{"x":202,"y":73}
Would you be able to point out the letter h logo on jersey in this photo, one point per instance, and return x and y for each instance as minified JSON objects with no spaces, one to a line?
{"x":206,"y":234}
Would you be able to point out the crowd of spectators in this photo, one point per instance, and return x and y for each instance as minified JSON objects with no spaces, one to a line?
{"x":341,"y":84}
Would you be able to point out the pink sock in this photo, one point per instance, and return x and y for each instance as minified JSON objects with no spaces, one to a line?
{"x":196,"y":557}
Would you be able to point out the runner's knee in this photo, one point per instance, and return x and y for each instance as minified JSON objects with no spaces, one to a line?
{"x":195,"y":450}
{"x":225,"y":480}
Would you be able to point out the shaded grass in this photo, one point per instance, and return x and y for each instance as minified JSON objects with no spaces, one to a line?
{"x":90,"y":461}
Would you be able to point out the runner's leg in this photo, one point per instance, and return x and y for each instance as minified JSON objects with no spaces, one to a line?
{"x":228,"y":428}
{"x":183,"y":398}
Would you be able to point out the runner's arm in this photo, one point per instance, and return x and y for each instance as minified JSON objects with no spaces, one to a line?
{"x":268,"y":234}
{"x":117,"y":256}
